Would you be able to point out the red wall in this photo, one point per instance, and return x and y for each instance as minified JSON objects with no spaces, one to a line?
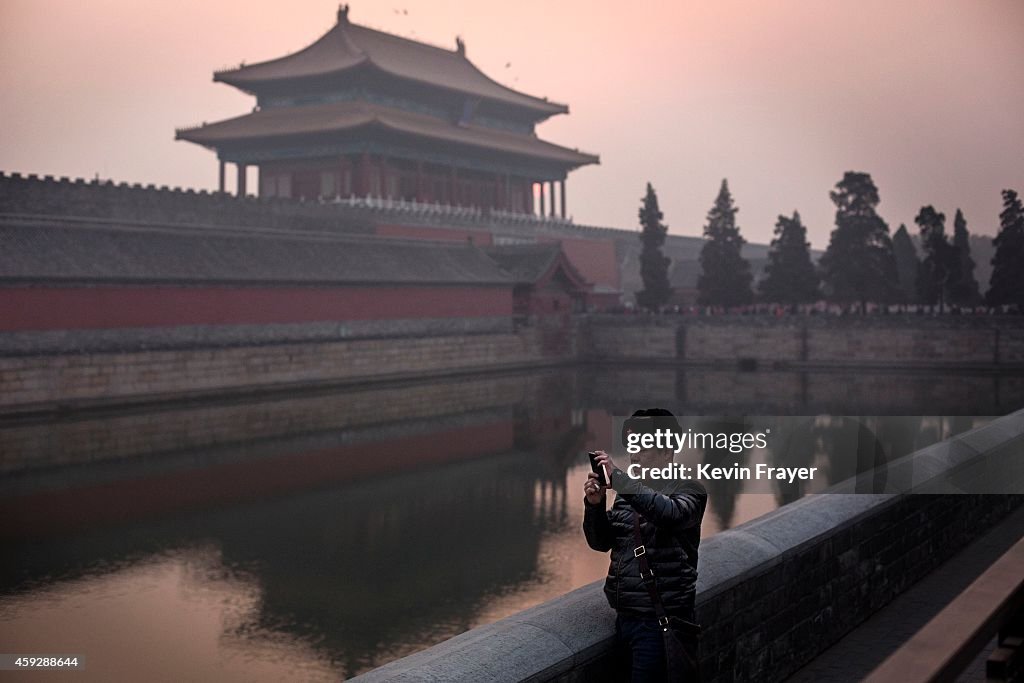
{"x":57,"y":308}
{"x":68,"y":510}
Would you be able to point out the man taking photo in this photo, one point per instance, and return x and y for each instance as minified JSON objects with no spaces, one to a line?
{"x":653,"y":532}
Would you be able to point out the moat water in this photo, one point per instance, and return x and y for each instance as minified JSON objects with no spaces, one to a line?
{"x":315,"y":536}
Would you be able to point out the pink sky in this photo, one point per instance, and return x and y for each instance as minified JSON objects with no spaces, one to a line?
{"x":780,"y":97}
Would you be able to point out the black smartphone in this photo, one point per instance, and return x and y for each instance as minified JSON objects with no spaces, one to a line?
{"x":598,"y":469}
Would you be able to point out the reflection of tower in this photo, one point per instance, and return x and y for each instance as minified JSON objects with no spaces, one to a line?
{"x":336,"y":567}
{"x":551,"y":427}
{"x":550,"y":503}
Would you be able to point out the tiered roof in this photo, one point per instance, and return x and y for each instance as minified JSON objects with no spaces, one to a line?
{"x":348,"y":46}
{"x":347,"y":50}
{"x":336,"y":117}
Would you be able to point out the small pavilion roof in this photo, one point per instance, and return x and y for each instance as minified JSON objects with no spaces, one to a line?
{"x":532,"y":264}
{"x":348,"y":46}
{"x":343,"y":116}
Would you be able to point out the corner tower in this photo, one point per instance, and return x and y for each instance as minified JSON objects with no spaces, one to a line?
{"x":363,"y":113}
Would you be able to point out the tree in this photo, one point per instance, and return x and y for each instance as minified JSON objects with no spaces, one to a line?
{"x":790,"y":277}
{"x":936,"y":270}
{"x":653,"y":264}
{"x":905,"y":254}
{"x":858,"y":265}
{"x":725,"y":276}
{"x":1006,"y":286}
{"x":963,"y":286}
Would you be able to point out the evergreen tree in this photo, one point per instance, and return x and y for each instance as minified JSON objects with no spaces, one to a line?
{"x":725,"y":276}
{"x":858,"y":265}
{"x":935,"y":273}
{"x":790,"y":277}
{"x":653,"y":264}
{"x":963,"y":286}
{"x":906,"y":265}
{"x":1006,"y":287}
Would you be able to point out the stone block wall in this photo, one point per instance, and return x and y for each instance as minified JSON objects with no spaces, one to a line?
{"x":633,"y":342}
{"x":781,"y":342}
{"x":68,"y":378}
{"x":770,"y":624}
{"x":888,"y":341}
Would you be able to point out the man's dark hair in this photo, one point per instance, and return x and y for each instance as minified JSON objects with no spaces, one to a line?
{"x":648,"y":421}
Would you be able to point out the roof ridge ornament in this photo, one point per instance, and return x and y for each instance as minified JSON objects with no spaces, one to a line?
{"x":460,"y":46}
{"x":343,"y":13}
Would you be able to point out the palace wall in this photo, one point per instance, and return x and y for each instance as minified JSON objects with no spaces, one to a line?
{"x":112,"y":343}
{"x":44,"y":371}
{"x":47,"y":381}
{"x":31,"y":194}
{"x":606,"y":256}
{"x":764,"y":341}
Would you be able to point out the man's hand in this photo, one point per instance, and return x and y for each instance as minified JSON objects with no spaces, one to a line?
{"x":593,"y":489}
{"x":609,"y":464}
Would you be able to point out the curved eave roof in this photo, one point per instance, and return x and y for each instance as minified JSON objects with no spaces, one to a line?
{"x":57,"y":253}
{"x":535,"y":263}
{"x":334,"y":117}
{"x":347,"y":46}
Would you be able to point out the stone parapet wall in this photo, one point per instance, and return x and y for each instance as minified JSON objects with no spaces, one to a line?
{"x":48,"y":380}
{"x":975,"y":341}
{"x":151,"y":204}
{"x":631,"y":342}
{"x":68,"y":367}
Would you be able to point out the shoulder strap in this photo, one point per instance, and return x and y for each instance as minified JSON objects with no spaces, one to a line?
{"x":646,"y":573}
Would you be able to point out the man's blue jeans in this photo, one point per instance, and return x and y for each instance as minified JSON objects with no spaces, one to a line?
{"x":646,"y":645}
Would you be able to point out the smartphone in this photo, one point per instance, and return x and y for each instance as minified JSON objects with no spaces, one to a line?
{"x":598,"y":469}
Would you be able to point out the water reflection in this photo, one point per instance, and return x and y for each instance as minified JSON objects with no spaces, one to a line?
{"x":320,"y":535}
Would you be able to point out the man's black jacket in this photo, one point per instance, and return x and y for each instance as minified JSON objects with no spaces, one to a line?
{"x":670,"y":527}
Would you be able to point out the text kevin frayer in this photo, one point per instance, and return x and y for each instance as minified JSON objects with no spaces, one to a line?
{"x":760,"y":471}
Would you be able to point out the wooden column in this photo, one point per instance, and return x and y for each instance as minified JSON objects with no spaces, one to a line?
{"x":561,"y":192}
{"x":383,"y":173}
{"x":551,"y":196}
{"x":452,"y":187}
{"x":241,"y":179}
{"x":364,"y":175}
{"x":542,"y":209}
{"x":220,"y":176}
{"x":508,"y":192}
{"x":421,"y":195}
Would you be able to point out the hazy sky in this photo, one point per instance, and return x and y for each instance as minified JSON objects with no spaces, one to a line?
{"x":778,"y":96}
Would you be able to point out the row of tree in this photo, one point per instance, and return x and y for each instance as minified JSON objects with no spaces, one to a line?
{"x":861,"y":265}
